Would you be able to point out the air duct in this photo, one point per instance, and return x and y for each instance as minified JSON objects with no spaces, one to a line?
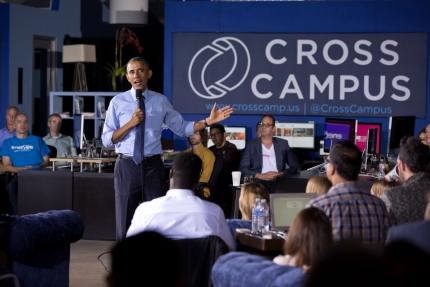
{"x":128,"y":12}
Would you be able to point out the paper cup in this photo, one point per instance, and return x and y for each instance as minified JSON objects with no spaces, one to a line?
{"x":236,"y":178}
{"x":392,"y":175}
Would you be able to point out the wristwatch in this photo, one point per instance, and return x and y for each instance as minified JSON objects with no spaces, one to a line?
{"x":205,"y":123}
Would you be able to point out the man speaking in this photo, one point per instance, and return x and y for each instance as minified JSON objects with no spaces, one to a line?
{"x":136,"y":132}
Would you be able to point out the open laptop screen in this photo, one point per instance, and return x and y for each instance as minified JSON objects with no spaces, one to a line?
{"x":285,"y":207}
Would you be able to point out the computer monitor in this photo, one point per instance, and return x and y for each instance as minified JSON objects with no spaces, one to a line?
{"x":361,"y":139}
{"x":298,"y":134}
{"x":398,"y":127}
{"x":285,"y":206}
{"x":337,"y":130}
{"x":372,"y":141}
{"x":78,"y":130}
{"x":235,"y":135}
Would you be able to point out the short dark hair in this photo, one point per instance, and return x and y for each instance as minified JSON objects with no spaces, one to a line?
{"x":138,"y":59}
{"x":217,"y":126}
{"x":143,"y":257}
{"x":186,"y":170}
{"x":54,"y":115}
{"x":414,"y":154}
{"x":268,"y":116}
{"x":204,"y":136}
{"x":346,"y":159}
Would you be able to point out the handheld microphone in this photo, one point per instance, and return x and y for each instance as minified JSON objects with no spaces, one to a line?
{"x":138,"y":97}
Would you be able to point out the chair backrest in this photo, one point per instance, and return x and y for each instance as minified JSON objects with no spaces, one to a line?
{"x":219,"y":161}
{"x":198,"y":255}
{"x":53,"y":150}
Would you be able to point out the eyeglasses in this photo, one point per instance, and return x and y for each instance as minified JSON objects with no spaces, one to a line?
{"x":215,"y":134}
{"x":326,"y":161}
{"x":265,"y":125}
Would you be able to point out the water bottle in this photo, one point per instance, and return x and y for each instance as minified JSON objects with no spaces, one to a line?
{"x":264,"y":216}
{"x":255,"y":216}
{"x":381,"y":165}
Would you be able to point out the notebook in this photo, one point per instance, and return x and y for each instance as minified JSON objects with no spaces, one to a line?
{"x":285,"y":206}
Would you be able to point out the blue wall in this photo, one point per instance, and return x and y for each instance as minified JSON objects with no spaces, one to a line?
{"x":293,"y":17}
{"x":4,"y":60}
{"x":18,"y":25}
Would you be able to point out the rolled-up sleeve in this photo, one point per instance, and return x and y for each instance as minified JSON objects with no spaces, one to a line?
{"x":111,"y":125}
{"x":176,"y":122}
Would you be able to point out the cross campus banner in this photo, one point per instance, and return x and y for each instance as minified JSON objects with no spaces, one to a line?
{"x":359,"y":75}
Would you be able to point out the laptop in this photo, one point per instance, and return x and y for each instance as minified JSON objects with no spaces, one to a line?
{"x":285,"y":206}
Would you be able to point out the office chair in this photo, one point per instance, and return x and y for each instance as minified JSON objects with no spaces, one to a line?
{"x":219,"y":161}
{"x":198,"y":255}
{"x":53,"y":150}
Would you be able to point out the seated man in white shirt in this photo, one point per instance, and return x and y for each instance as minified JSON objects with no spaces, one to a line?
{"x":180,"y":214}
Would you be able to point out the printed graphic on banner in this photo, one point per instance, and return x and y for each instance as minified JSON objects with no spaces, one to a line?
{"x":361,"y":75}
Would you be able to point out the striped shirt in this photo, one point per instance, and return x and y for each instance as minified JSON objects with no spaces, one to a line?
{"x":354,"y":214}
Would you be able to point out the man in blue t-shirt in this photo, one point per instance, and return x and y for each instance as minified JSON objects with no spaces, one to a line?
{"x":22,"y":151}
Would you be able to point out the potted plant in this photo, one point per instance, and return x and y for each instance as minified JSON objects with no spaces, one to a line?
{"x":117,"y":71}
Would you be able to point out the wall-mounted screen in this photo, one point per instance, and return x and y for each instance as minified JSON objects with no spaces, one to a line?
{"x":339,"y":130}
{"x":399,"y":127}
{"x":298,"y":134}
{"x":235,"y":135}
{"x":361,"y":138}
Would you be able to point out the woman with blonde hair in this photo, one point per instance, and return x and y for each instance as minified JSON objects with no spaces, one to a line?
{"x":310,"y":235}
{"x":248,"y":193}
{"x":318,"y":184}
{"x":380,"y":186}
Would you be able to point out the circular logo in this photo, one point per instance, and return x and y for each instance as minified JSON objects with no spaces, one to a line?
{"x":203,"y":73}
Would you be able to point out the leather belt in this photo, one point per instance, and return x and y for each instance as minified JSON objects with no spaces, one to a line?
{"x":145,"y":159}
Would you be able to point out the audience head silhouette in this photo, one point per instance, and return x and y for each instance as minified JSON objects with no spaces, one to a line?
{"x":318,"y":184}
{"x":414,"y":154}
{"x":248,"y":194}
{"x":185,"y":172}
{"x":310,"y":235}
{"x":145,"y":259}
{"x":380,"y":186}
{"x":345,"y":158}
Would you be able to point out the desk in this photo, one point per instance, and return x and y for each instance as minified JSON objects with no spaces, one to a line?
{"x":42,"y":190}
{"x":90,"y":194}
{"x":99,"y":161}
{"x":296,"y":183}
{"x":64,"y":159}
{"x":268,"y":248}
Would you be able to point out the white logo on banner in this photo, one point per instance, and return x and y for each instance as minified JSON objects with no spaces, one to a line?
{"x":218,"y":89}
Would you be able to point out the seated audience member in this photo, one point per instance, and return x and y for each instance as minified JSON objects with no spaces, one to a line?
{"x":348,"y":264}
{"x":416,"y":233}
{"x":354,"y":214}
{"x":248,"y":193}
{"x":23,"y":151}
{"x":9,"y":130}
{"x":268,"y":157}
{"x":409,"y":264}
{"x":310,"y":235}
{"x":318,"y":184}
{"x":64,"y":144}
{"x":180,"y":214}
{"x":380,"y":186}
{"x":198,"y":142}
{"x":422,"y":136}
{"x":228,"y":151}
{"x":407,"y":202}
{"x":145,"y":259}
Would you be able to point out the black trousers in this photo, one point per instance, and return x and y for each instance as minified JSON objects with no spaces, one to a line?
{"x":128,"y":181}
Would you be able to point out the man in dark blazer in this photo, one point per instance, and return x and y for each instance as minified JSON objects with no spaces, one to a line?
{"x":416,"y":233}
{"x":267,"y":157}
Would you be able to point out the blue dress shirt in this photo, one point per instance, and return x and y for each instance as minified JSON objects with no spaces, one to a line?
{"x":5,"y":134}
{"x":158,"y":111}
